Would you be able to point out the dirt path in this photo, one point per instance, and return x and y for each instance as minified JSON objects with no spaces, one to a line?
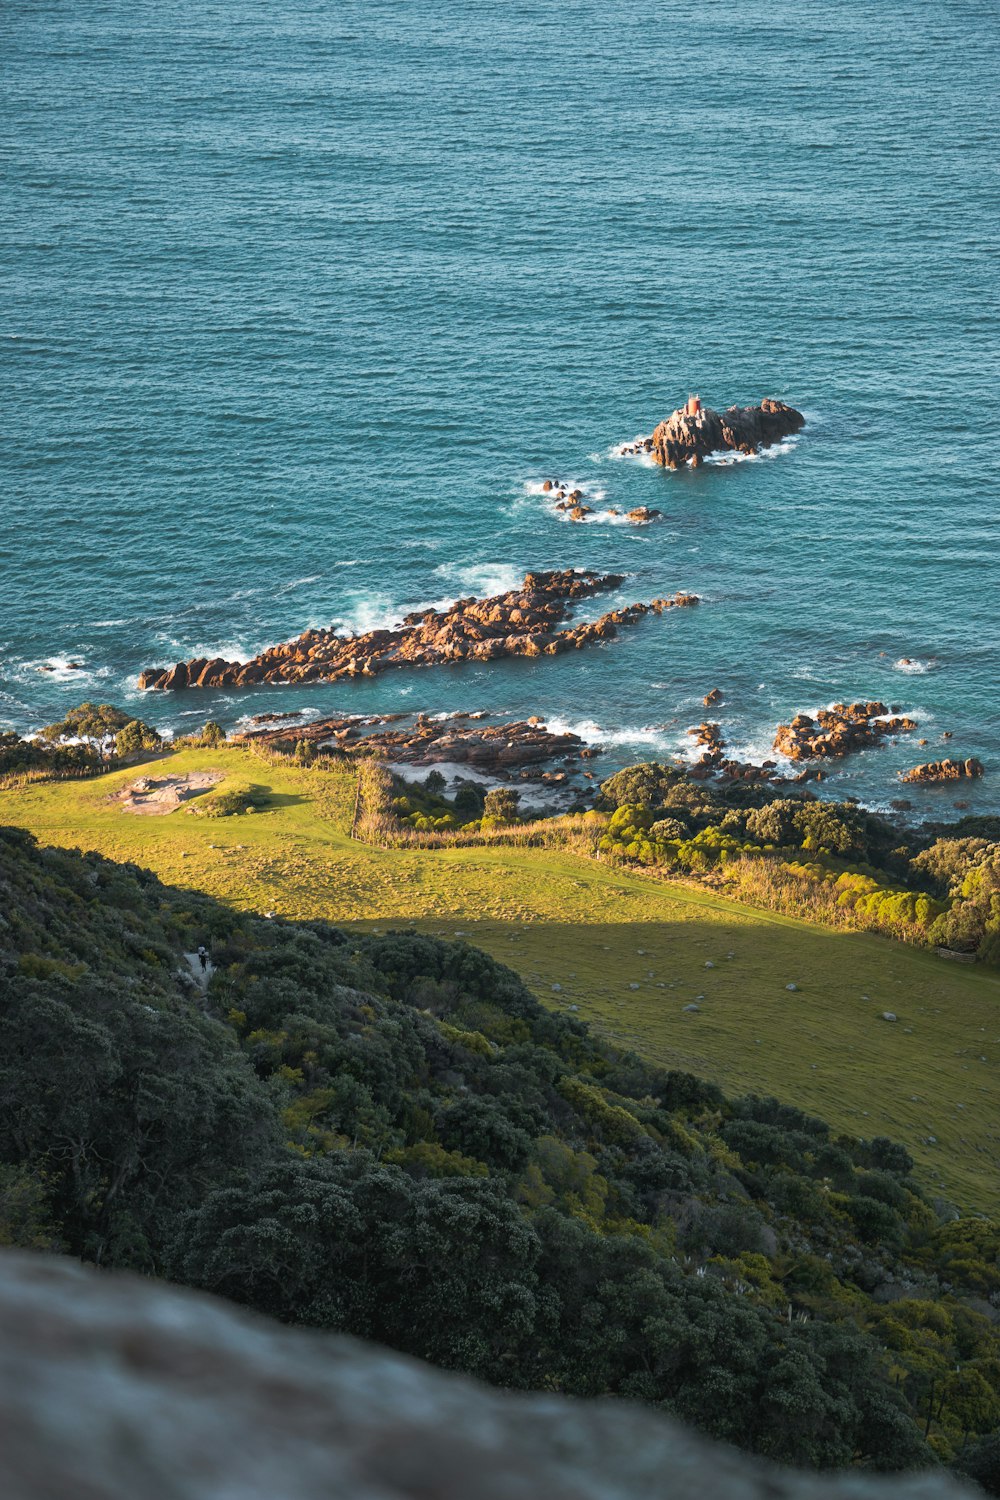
{"x":201,"y":976}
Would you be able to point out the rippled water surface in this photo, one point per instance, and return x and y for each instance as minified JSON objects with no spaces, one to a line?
{"x":302,"y":300}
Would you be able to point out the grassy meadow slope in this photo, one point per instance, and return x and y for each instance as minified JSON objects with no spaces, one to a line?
{"x":630,"y":951}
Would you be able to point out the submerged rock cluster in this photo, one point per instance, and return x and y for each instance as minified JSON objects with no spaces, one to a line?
{"x":839,"y":730}
{"x":692,"y":432}
{"x":527,"y":621}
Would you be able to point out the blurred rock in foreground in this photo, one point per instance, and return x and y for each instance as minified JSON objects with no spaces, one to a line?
{"x":117,"y":1388}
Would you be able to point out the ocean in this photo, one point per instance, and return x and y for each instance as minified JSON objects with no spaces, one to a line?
{"x":302,"y":303}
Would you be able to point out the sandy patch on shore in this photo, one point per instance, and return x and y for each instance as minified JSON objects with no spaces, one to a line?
{"x":164,"y":794}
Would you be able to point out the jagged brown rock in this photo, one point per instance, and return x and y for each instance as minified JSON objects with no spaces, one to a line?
{"x":116,"y":1387}
{"x":686,"y":437}
{"x":836,"y":731}
{"x":714,"y":762}
{"x":523,"y":622}
{"x":937,"y":772}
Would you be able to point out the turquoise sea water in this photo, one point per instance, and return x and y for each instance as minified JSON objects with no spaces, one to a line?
{"x":301,"y":299}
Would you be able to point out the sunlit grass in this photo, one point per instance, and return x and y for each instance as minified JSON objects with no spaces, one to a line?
{"x":629,"y":951}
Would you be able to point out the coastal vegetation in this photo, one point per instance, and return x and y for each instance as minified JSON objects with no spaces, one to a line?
{"x":388,"y":1134}
{"x":626,"y":948}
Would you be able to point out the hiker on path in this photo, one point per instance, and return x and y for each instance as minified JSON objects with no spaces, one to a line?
{"x":203,"y":956}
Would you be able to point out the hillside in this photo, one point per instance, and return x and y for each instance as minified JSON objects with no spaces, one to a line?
{"x":390,"y":1136}
{"x":629,"y":951}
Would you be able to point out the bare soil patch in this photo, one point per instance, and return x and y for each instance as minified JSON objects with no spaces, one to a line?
{"x":155,"y":795}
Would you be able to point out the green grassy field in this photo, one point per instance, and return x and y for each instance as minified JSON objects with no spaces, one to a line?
{"x":629,"y":951}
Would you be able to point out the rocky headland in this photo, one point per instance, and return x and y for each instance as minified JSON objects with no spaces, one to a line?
{"x":837,"y":731}
{"x":528,"y":621}
{"x":940,"y":772}
{"x":521,"y":748}
{"x":692,"y":432}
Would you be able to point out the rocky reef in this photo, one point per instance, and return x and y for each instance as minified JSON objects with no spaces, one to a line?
{"x":573,"y":504}
{"x":939,"y":772}
{"x":713,"y":761}
{"x":692,"y":432}
{"x":839,"y":730}
{"x":527,"y":621}
{"x":496,"y":750}
{"x":115,"y":1387}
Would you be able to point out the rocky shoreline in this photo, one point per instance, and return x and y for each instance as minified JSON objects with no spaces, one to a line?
{"x":524,"y":748}
{"x":693,"y":432}
{"x":529,"y":621}
{"x":713,"y":761}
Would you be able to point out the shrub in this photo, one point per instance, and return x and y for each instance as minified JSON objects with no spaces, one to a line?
{"x":233,"y":801}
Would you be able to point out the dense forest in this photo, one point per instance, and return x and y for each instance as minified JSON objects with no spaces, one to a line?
{"x":389,"y":1135}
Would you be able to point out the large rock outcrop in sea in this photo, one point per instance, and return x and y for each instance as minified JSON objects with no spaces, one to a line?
{"x":689,"y":435}
{"x":119,"y":1387}
{"x":527,"y":621}
{"x":837,"y":731}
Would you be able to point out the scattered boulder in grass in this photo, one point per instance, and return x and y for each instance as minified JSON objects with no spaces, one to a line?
{"x":692,"y":1009}
{"x":792,"y":987}
{"x":889,"y":1015}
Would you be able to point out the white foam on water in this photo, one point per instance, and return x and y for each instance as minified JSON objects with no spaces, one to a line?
{"x":756,"y":750}
{"x":598,"y":518}
{"x":374,"y":612}
{"x":913,"y":666}
{"x":60,"y":669}
{"x":617,"y":450}
{"x":720,"y":459}
{"x":299,"y":583}
{"x":177,"y":650}
{"x":774,"y":450}
{"x":652,"y":735}
{"x":482,"y":579}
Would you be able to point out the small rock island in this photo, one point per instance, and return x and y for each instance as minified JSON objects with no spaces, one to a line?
{"x":694,"y":431}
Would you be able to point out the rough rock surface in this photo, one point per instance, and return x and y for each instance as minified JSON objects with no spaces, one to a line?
{"x":713,"y":762}
{"x":685,"y":438}
{"x":457,"y":739}
{"x":836,"y":731}
{"x":119,"y":1388}
{"x":935,"y":772}
{"x":524,"y":622}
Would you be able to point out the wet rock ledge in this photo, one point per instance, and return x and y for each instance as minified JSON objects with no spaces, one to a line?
{"x":501,"y":750}
{"x":694,"y":431}
{"x":940,"y":772}
{"x":527,"y":621}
